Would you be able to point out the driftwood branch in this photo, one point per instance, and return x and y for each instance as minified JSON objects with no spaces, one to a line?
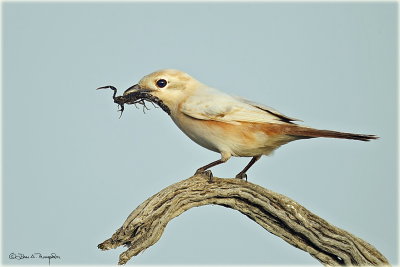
{"x":276,"y":213}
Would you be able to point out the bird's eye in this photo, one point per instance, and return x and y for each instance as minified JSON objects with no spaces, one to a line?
{"x":161,"y":83}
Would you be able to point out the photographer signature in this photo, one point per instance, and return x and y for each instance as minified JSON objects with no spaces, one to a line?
{"x":22,"y":256}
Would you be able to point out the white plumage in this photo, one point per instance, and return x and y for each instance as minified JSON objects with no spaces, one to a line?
{"x":230,"y":125}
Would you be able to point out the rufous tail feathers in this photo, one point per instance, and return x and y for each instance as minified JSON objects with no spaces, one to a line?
{"x":304,"y":132}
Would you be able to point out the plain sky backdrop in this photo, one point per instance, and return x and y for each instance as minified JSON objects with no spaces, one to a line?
{"x":73,"y":171}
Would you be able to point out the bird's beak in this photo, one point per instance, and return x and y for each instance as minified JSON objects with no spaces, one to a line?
{"x":135,"y":88}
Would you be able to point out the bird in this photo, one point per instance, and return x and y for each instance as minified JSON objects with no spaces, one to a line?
{"x":229,"y":125}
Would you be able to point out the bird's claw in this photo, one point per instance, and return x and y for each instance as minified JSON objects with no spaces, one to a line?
{"x":241,"y":176}
{"x":206,"y":173}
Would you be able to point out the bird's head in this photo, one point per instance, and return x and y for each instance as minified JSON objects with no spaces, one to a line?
{"x":170,"y":86}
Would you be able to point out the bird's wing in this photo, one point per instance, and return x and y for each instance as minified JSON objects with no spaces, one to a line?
{"x":214,"y":105}
{"x":270,"y":110}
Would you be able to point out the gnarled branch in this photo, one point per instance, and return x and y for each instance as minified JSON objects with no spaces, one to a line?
{"x":276,"y":213}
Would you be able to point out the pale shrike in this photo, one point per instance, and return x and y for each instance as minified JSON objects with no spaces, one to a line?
{"x":231,"y":126}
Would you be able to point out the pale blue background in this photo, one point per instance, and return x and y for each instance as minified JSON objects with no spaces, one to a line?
{"x":73,"y":171}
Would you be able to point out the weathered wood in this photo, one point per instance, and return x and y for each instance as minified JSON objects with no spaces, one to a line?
{"x":276,"y":213}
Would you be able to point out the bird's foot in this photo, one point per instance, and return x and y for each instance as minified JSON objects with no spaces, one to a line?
{"x":206,"y":173}
{"x":241,"y":176}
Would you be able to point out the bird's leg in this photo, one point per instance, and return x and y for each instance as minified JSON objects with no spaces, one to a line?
{"x":204,"y":169}
{"x":242,"y":174}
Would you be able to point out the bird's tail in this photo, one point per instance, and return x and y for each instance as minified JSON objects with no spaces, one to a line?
{"x":305,"y":132}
